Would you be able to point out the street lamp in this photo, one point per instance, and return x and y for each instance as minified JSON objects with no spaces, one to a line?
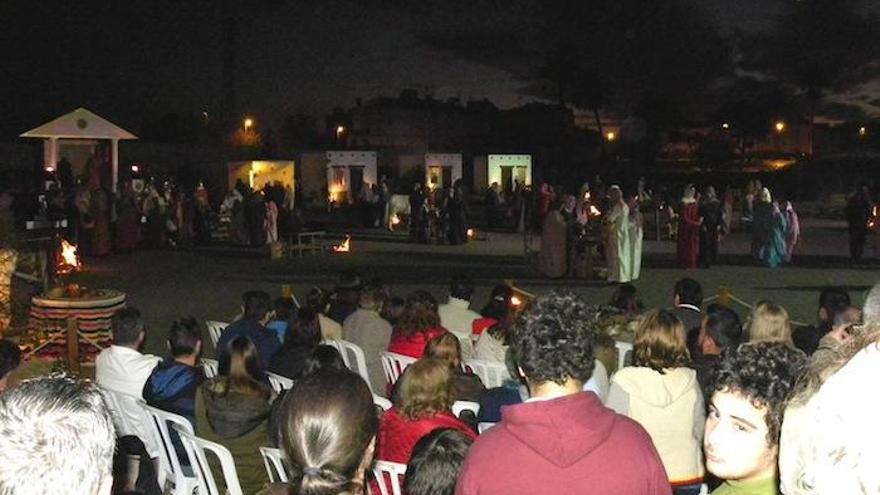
{"x":863,"y":131}
{"x":340,"y":129}
{"x":248,"y":123}
{"x":780,"y":126}
{"x":610,"y":136}
{"x":725,"y":125}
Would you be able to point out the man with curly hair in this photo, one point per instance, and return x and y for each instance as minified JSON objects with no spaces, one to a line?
{"x":562,"y":439}
{"x":752,"y":387}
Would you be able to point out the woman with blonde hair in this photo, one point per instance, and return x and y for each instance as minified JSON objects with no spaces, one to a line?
{"x":465,"y":385}
{"x":770,"y":323}
{"x":661,"y":393}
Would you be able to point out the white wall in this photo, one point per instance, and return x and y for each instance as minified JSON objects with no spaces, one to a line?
{"x":451,"y":160}
{"x":495,"y":162}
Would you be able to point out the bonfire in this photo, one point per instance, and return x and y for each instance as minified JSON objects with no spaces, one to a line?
{"x":344,"y":246}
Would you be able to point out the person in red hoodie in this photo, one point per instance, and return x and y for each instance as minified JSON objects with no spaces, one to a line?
{"x":417,"y":326}
{"x":561,"y":440}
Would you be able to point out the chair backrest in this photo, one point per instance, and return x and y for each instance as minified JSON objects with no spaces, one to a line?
{"x":169,"y":463}
{"x":279,"y":382}
{"x":381,"y":402}
{"x":394,"y":364}
{"x":196,"y":449}
{"x":492,"y":374}
{"x":130,"y":418}
{"x":210,"y":367}
{"x":389,"y":474}
{"x":215,"y":328}
{"x":483,"y":426}
{"x":624,"y":350}
{"x":463,"y":405}
{"x":353,"y":356}
{"x":273,"y":459}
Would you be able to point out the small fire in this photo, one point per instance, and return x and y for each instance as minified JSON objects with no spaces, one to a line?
{"x":471,"y":233}
{"x":594,"y":211}
{"x":395,"y":220}
{"x":343,"y":247}
{"x":69,"y":261}
{"x":515,"y":301}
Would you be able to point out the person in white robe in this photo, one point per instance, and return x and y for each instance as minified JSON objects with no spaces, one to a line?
{"x":634,"y":238}
{"x":617,"y":237}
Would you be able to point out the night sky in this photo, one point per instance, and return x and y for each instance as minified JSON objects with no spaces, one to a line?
{"x":137,"y":60}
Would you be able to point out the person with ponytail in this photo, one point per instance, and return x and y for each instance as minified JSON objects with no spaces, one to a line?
{"x":328,"y":434}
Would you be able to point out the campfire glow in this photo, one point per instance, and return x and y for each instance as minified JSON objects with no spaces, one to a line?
{"x":515,"y":301}
{"x":395,"y":220}
{"x":344,"y":246}
{"x":471,"y":233}
{"x":594,"y":211}
{"x":68,"y":260}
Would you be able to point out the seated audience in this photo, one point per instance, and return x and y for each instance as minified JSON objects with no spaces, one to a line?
{"x":563,"y":437}
{"x":456,"y":315}
{"x":418,"y":325}
{"x":721,"y":331}
{"x":626,"y":299}
{"x":303,"y":337}
{"x":328,"y":434}
{"x":465,"y":385}
{"x":436,"y":460}
{"x":497,"y":309}
{"x":393,"y":311}
{"x":122,"y":368}
{"x":663,"y":395}
{"x":324,"y":357}
{"x":512,"y":391}
{"x":423,"y":403}
{"x":10,"y":358}
{"x":770,"y":323}
{"x":318,"y":301}
{"x":829,"y":437}
{"x":832,"y":300}
{"x":372,"y":333}
{"x":753,"y":384}
{"x":493,"y":342}
{"x":57,"y":439}
{"x":232,"y":409}
{"x":172,"y":385}
{"x":345,"y":299}
{"x":282,"y":311}
{"x":252,"y":325}
{"x":687,"y":297}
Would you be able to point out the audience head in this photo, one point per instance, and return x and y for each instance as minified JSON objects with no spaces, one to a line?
{"x":283,"y":307}
{"x":420,"y":313}
{"x":10,"y":358}
{"x":626,"y":299}
{"x":435,"y":463}
{"x":831,"y":301}
{"x":239,"y":369}
{"x":445,"y":347}
{"x":425,"y":389}
{"x":317,"y":300}
{"x":721,"y":330}
{"x":393,"y":311}
{"x":303,"y":329}
{"x":324,"y":357}
{"x":752,"y":387}
{"x":461,"y":287}
{"x":349,"y":280}
{"x":128,"y":328}
{"x":765,"y":196}
{"x":256,"y":305}
{"x":499,"y":302}
{"x":688,"y":291}
{"x":372,"y":297}
{"x":660,"y":341}
{"x":57,"y":438}
{"x":770,"y":323}
{"x":328,"y":432}
{"x":185,"y":338}
{"x":552,"y":341}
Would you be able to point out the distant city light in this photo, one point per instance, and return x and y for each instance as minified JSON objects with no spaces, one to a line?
{"x":780,"y":126}
{"x":135,"y":169}
{"x":725,"y":125}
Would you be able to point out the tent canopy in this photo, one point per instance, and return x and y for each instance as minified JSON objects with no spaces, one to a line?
{"x":79,"y":124}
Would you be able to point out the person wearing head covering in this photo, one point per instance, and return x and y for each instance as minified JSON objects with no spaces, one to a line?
{"x":762,"y":224}
{"x":710,"y":230}
{"x":617,"y":246}
{"x":552,"y":260}
{"x":775,"y":252}
{"x":689,"y":222}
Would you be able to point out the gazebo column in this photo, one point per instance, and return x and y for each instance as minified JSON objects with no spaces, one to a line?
{"x":50,"y":155}
{"x":114,"y":158}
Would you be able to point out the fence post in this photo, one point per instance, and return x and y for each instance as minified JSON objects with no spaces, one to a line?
{"x":73,"y":346}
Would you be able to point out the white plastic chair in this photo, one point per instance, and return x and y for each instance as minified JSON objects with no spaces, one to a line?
{"x":462,"y":405}
{"x":210,"y":367}
{"x":624,"y":349}
{"x":169,"y":463}
{"x":389,"y":473}
{"x":279,"y":382}
{"x":382,"y":403}
{"x":196,"y":449}
{"x":215,"y":328}
{"x":353,"y":356}
{"x":130,"y":418}
{"x":483,"y":426}
{"x":394,"y":364}
{"x":492,"y":374}
{"x":273,"y":460}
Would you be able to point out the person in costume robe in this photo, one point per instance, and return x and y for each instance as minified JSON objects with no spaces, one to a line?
{"x":635,"y":236}
{"x":775,"y":252}
{"x":688,"y":229}
{"x":792,"y":229}
{"x":552,"y":258}
{"x":762,"y":225}
{"x":617,"y":245}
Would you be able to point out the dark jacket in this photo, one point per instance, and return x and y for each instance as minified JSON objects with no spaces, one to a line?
{"x":807,"y":338}
{"x":264,"y":339}
{"x":290,"y":360}
{"x":172,"y":387}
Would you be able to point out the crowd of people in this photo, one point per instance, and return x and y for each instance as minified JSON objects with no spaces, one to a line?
{"x":705,"y":399}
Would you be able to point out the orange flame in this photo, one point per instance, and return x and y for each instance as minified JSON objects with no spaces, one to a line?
{"x":69,"y":261}
{"x":344,"y":247}
{"x":471,"y":233}
{"x":395,"y":219}
{"x":594,"y":211}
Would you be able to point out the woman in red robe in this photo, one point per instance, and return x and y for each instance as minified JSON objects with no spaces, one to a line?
{"x":688,"y":229}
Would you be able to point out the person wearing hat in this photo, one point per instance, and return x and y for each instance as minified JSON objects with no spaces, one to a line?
{"x":348,"y":293}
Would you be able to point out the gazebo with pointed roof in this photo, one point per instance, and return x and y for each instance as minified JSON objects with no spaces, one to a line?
{"x":80,"y":124}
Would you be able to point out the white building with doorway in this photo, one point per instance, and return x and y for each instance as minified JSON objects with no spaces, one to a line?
{"x":505,"y":169}
{"x":348,"y":172}
{"x":442,"y":169}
